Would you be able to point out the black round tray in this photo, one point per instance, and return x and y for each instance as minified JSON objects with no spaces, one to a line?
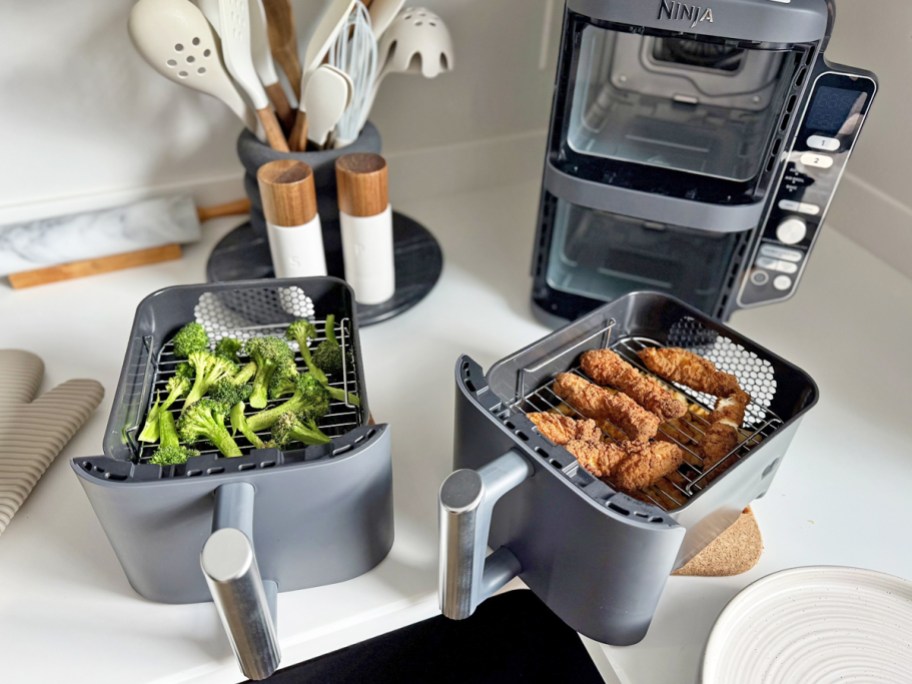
{"x":243,"y":254}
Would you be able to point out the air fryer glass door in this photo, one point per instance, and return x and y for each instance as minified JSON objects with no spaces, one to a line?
{"x":708,"y":110}
{"x":601,"y":256}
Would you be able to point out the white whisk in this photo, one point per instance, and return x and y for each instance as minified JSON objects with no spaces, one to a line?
{"x":355,"y":53}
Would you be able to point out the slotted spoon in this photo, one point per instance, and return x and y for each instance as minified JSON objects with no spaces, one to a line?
{"x":175,"y":39}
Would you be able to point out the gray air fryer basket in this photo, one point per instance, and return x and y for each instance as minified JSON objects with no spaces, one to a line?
{"x":598,"y":557}
{"x":269,"y":520}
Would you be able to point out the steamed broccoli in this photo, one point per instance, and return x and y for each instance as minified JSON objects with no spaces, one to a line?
{"x":191,"y":338}
{"x":228,"y":348}
{"x":284,"y":380}
{"x":269,"y":353}
{"x":289,"y":428}
{"x":209,"y":369}
{"x":302,"y":331}
{"x":177,"y":387}
{"x":206,"y":420}
{"x":239,"y":422}
{"x":150,"y":431}
{"x":328,"y":354}
{"x":310,"y":399}
{"x":245,"y":374}
{"x":225,"y":391}
{"x":170,"y":451}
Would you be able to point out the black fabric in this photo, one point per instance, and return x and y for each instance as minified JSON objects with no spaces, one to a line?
{"x":511,"y":638}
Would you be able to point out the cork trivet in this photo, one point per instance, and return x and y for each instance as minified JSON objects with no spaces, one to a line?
{"x":733,"y":552}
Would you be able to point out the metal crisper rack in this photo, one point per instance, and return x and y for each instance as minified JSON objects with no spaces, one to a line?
{"x":674,"y":491}
{"x":341,"y":418}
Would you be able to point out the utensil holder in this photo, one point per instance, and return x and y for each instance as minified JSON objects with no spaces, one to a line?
{"x":253,"y":154}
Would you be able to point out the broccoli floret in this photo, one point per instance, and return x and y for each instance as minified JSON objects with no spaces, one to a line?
{"x":328,"y":354}
{"x":191,"y":338}
{"x":239,"y":422}
{"x":228,"y":348}
{"x":209,"y":369}
{"x":170,"y":452}
{"x":289,"y":428}
{"x":245,"y":374}
{"x":269,"y":353}
{"x":284,"y":380}
{"x":310,"y":399}
{"x":184,"y":370}
{"x":225,"y":391}
{"x":302,"y":331}
{"x":206,"y":420}
{"x":150,"y":430}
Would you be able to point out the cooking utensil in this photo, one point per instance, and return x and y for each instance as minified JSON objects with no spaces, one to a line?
{"x":622,"y":549}
{"x":234,"y":24}
{"x":355,"y":53}
{"x":34,"y":430}
{"x":175,"y":39}
{"x":382,"y":13}
{"x":417,"y":41}
{"x":324,"y":34}
{"x":262,"y":60}
{"x":283,"y":41}
{"x":326,"y":95}
{"x":814,"y":624}
{"x":319,"y":515}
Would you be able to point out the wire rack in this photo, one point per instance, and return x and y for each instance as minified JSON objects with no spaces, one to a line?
{"x":341,"y":417}
{"x":675,"y":490}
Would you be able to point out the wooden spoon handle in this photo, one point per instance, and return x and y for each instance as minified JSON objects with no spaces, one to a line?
{"x":298,"y":137}
{"x":273,"y":130}
{"x":283,"y":110}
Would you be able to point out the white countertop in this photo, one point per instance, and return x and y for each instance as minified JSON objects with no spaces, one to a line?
{"x":68,"y":614}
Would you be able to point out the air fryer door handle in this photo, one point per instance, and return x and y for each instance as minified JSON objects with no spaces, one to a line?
{"x":245,"y":604}
{"x":466,"y":500}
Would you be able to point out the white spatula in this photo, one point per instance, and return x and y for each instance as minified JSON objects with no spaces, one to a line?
{"x":325,"y":97}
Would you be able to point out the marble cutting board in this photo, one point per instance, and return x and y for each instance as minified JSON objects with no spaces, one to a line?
{"x":59,"y":240}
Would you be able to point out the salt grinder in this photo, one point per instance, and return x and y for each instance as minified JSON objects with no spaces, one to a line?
{"x":367,"y":226}
{"x":292,"y":223}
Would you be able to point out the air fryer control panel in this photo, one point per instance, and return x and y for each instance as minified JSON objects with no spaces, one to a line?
{"x":832,"y":121}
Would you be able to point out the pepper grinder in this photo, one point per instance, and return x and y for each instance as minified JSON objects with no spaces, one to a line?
{"x":366,"y":222}
{"x":292,"y":223}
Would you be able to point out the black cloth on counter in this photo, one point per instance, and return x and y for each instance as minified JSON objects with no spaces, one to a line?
{"x":512,"y":637}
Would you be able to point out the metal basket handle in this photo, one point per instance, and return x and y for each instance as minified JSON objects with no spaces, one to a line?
{"x":466,"y":500}
{"x":245,"y":604}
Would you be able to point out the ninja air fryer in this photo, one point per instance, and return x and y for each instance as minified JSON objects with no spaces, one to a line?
{"x":693,"y":150}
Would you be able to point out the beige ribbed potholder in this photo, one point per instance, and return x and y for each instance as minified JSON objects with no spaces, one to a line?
{"x":33,"y":431}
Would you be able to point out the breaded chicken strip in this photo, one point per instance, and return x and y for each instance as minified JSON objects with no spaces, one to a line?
{"x":599,"y":458}
{"x":724,"y":434}
{"x":561,"y":429}
{"x":607,"y":368}
{"x":689,"y":369}
{"x":646,"y":464}
{"x":594,"y":402}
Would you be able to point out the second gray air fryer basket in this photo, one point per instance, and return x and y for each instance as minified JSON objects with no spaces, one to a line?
{"x":598,"y":557}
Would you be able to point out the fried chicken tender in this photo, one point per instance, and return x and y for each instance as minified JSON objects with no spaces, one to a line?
{"x":562,"y":429}
{"x":645,"y":464}
{"x":724,"y":434}
{"x":599,"y":458}
{"x":689,"y":369}
{"x":607,"y":368}
{"x":594,"y":402}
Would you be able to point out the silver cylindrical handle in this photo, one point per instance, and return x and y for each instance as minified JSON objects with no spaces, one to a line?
{"x":243,"y":602}
{"x":466,"y":500}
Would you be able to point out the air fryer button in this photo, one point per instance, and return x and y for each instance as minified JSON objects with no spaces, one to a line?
{"x":799,"y":207}
{"x":791,"y":231}
{"x":760,"y":278}
{"x":782,"y":283}
{"x":777,"y":265}
{"x":775,"y":252}
{"x":817,"y":161}
{"x":823,"y":143}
